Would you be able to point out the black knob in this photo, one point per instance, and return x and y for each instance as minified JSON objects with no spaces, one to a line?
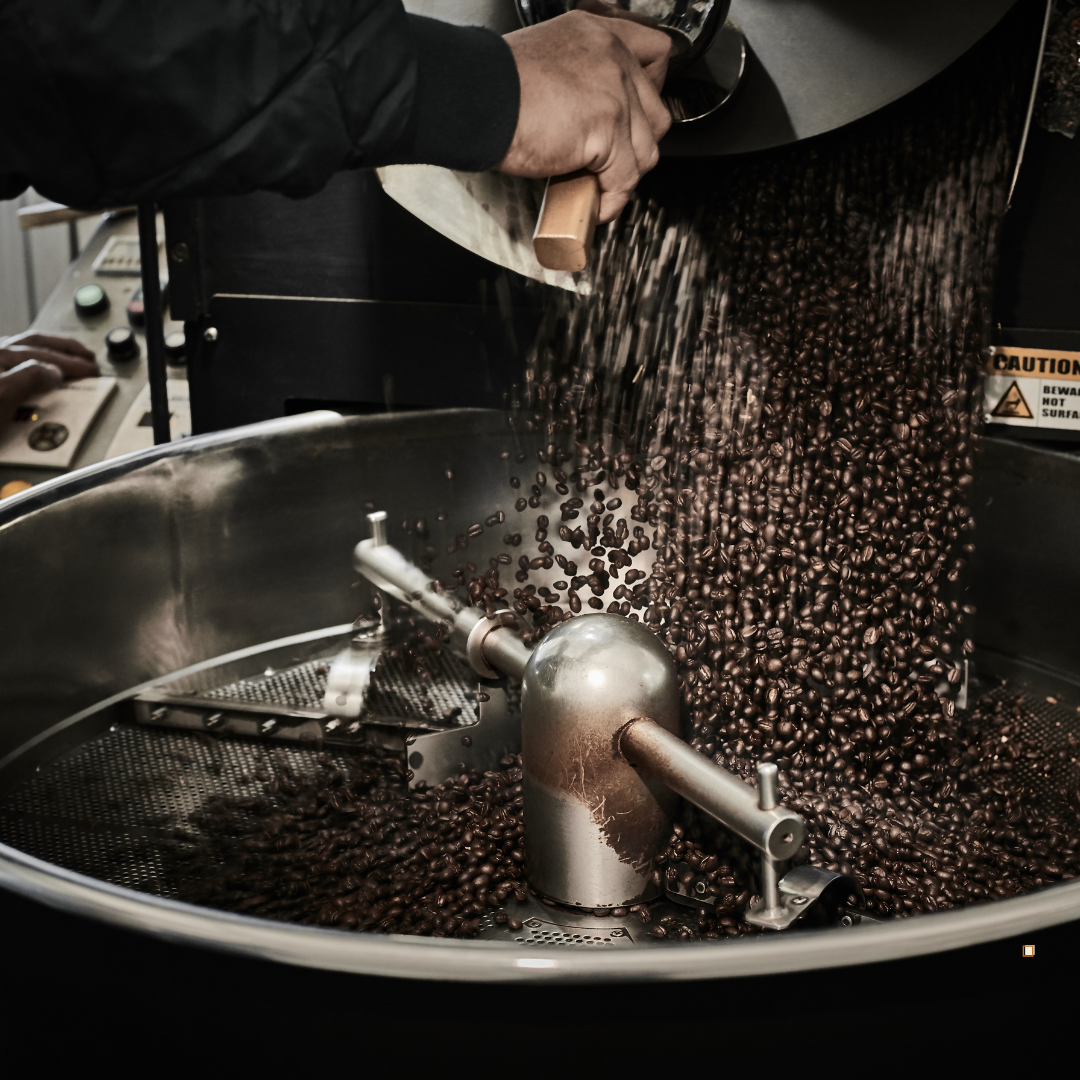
{"x":91,"y":300}
{"x":121,"y":344}
{"x":176,"y":346}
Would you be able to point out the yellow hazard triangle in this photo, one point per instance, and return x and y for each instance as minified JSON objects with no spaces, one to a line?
{"x":1013,"y":405}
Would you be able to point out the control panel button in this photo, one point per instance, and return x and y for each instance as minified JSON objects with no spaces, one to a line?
{"x":136,"y":310}
{"x":121,"y":345}
{"x":91,"y":300}
{"x":176,"y":346}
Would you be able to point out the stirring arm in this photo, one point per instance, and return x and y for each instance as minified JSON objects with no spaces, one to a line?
{"x":491,"y":645}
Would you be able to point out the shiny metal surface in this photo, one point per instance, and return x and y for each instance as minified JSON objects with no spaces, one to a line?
{"x":691,"y":24}
{"x":389,"y":571}
{"x":490,"y":645}
{"x":593,"y":823}
{"x":141,"y":566}
{"x":494,"y":644}
{"x":768,"y":910}
{"x":433,"y":756}
{"x":136,"y":568}
{"x":659,"y":752}
{"x":701,"y":87}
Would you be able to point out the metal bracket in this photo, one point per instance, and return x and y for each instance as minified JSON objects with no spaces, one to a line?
{"x":693,"y":892}
{"x":436,"y":755}
{"x":806,"y":890}
{"x":350,"y":674}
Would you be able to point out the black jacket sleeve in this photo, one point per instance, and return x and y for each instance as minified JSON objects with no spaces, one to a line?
{"x":106,"y":102}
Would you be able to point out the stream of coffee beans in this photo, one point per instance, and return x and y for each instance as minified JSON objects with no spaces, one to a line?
{"x":784,"y":387}
{"x":761,"y":425}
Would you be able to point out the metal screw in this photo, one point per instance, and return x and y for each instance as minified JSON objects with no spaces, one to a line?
{"x":180,"y":252}
{"x":847,"y":920}
{"x":534,"y":923}
{"x":700,"y":888}
{"x":159,"y":714}
{"x":618,"y":933}
{"x":466,"y":741}
{"x":210,"y":333}
{"x":798,"y":900}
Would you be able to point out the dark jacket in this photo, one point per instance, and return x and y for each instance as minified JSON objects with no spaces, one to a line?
{"x":106,"y":102}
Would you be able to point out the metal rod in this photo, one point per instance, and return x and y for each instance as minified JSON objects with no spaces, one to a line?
{"x":73,"y":240}
{"x":1031,"y":102}
{"x":778,"y":832}
{"x":155,"y":333}
{"x":377,"y":523}
{"x":768,"y":797}
{"x":768,"y":785}
{"x":506,"y":652}
{"x":492,"y":648}
{"x":31,"y":283}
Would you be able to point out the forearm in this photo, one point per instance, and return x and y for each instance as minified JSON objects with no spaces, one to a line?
{"x":120,"y":101}
{"x":465,"y":107}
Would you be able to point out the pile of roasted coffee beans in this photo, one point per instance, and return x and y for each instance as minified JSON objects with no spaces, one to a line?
{"x":969,"y":827}
{"x":349,"y":845}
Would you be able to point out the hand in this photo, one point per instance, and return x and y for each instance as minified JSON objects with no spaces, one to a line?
{"x":32,"y":364}
{"x":590,"y":100}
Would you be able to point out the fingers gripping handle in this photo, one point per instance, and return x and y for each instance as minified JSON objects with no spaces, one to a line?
{"x":568,"y":216}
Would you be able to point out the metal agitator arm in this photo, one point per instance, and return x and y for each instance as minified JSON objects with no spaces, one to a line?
{"x":494,"y":648}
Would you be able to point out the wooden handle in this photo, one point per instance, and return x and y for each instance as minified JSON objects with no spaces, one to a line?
{"x":564,"y":233}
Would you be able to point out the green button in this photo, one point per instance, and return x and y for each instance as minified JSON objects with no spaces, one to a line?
{"x":91,"y":300}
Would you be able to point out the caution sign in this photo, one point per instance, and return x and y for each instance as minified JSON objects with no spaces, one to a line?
{"x":1021,"y":362}
{"x":1012,"y":404}
{"x":1035,"y":388}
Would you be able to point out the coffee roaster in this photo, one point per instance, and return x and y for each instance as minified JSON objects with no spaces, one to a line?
{"x":203,"y":589}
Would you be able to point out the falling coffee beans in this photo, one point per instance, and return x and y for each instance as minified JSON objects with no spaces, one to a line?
{"x":757,"y":436}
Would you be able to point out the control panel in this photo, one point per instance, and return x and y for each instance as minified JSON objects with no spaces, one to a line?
{"x":98,"y":302}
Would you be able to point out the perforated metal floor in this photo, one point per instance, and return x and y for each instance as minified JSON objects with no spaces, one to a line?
{"x":394,"y":692}
{"x":94,"y":809}
{"x":1055,"y":774}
